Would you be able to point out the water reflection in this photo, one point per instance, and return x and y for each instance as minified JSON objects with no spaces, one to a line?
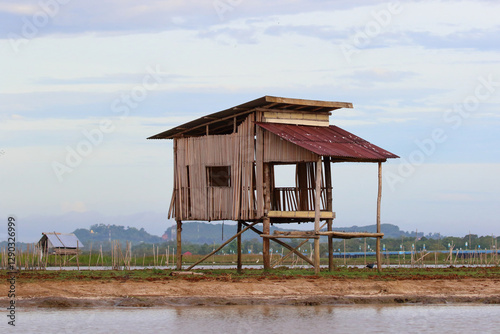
{"x":263,"y":319}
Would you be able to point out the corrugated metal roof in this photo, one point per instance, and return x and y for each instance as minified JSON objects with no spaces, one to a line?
{"x":196,"y":127}
{"x":63,"y":240}
{"x":329,"y":141}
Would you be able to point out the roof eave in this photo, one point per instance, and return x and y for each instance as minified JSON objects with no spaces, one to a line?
{"x":247,"y":107}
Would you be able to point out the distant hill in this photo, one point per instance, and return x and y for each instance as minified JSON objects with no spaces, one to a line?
{"x":201,"y":232}
{"x":100,"y":233}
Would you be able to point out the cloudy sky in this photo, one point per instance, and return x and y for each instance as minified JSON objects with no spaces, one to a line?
{"x":84,"y":83}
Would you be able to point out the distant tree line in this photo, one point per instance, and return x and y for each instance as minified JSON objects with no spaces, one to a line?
{"x":99,"y":235}
{"x":254,"y":246}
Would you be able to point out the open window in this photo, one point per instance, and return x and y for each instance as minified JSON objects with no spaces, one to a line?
{"x":219,"y":176}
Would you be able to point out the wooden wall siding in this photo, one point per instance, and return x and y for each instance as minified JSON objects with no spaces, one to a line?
{"x":280,"y":150}
{"x":302,"y":118}
{"x":259,"y":167}
{"x":245,"y":152}
{"x":244,"y":162}
{"x":199,"y":201}
{"x":208,"y":203}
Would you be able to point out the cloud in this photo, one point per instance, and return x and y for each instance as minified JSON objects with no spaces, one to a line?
{"x":475,"y":39}
{"x":380,"y":75}
{"x":229,"y":36}
{"x":116,"y":78}
{"x":126,"y":16}
{"x":323,"y":32}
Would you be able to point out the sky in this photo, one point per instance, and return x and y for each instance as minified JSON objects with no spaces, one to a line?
{"x":84,"y":83}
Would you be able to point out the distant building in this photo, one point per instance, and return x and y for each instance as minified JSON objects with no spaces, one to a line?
{"x":59,"y":243}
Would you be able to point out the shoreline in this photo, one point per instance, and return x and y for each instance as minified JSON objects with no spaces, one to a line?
{"x":297,"y":291}
{"x":152,"y":302}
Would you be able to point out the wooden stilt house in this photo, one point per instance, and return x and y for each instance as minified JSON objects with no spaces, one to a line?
{"x":224,"y":170}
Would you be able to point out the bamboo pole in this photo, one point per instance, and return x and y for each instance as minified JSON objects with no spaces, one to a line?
{"x":266,"y":221}
{"x":239,"y":265}
{"x":329,"y":208}
{"x":379,"y":200}
{"x":364,"y":249}
{"x":102,"y":258}
{"x":179,"y":245}
{"x":317,"y":215}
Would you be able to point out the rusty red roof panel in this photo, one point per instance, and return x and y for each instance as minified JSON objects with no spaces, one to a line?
{"x":329,"y":141}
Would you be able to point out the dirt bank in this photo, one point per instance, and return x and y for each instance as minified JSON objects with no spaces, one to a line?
{"x":297,"y":291}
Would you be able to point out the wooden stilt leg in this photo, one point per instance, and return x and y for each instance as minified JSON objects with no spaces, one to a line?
{"x":266,"y":229}
{"x":179,"y":247}
{"x":316,"y":256}
{"x":239,"y":265}
{"x":329,"y":208}
{"x":379,"y":199}
{"x":317,"y":213}
{"x":330,"y":246}
{"x":265,"y":244}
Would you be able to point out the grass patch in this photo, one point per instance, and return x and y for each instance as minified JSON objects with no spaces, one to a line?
{"x":282,"y":273}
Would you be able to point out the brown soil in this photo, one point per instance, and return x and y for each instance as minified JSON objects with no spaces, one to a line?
{"x":297,"y":291}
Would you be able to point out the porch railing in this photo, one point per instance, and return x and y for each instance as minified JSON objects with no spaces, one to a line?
{"x":296,"y":199}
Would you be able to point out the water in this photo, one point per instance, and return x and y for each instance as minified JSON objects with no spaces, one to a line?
{"x":262,"y":319}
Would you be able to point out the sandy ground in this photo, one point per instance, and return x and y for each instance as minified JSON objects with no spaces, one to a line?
{"x":300,"y":291}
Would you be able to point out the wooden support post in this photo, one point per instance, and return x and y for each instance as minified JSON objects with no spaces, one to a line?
{"x":330,"y":246}
{"x":302,"y":185}
{"x":329,"y":207}
{"x":238,"y":266}
{"x":179,"y":246}
{"x":379,"y":199}
{"x":317,"y":203}
{"x":265,"y":243}
{"x":266,"y":229}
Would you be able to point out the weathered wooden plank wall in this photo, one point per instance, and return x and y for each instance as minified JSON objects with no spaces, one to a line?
{"x":246,"y":152}
{"x":195,"y":154}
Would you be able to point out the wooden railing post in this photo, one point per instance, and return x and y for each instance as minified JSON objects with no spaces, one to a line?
{"x":379,"y":200}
